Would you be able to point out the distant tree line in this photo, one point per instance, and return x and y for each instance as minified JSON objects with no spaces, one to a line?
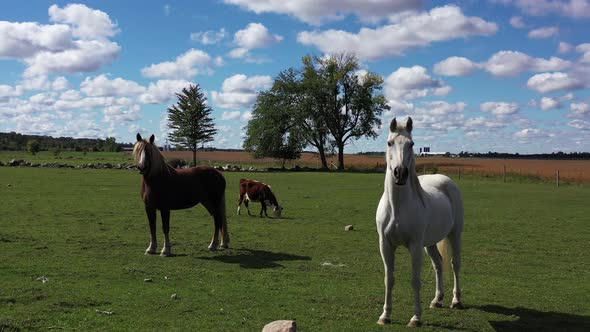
{"x":19,"y":142}
{"x":504,"y":155}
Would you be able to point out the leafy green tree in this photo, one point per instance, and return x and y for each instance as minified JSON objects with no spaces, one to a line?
{"x":353,"y":102}
{"x":33,"y":146}
{"x":110,"y":145}
{"x":273,"y":132}
{"x":190,"y":120}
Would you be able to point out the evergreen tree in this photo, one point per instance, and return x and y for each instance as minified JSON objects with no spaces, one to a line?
{"x":190,"y":120}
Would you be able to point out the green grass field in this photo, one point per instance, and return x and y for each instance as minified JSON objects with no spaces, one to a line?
{"x":525,"y":258}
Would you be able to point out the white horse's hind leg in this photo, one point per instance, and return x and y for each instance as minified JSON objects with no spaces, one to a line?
{"x":388,"y":256}
{"x":455,"y":241}
{"x":436,"y":259}
{"x":417,"y":259}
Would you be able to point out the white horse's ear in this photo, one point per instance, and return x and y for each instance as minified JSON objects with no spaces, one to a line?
{"x":152,"y":138}
{"x":409,"y":125}
{"x":138,"y":137}
{"x":392,"y":125}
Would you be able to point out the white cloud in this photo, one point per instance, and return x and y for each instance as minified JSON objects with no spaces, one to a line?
{"x":209,"y":37}
{"x":233,"y":115}
{"x":77,"y":43}
{"x":186,"y":66}
{"x":319,"y":11}
{"x":455,"y":66}
{"x":530,"y":133}
{"x":548,"y":103}
{"x":556,"y":81}
{"x":585,"y":49}
{"x":238,"y":53}
{"x":517,"y":22}
{"x":10,"y":91}
{"x":103,"y":86}
{"x":552,"y":103}
{"x":411,"y":83}
{"x":580,"y":124}
{"x":499,"y":108}
{"x":118,"y":115}
{"x":255,"y":35}
{"x":542,"y":33}
{"x":88,"y":23}
{"x":167,"y":9}
{"x":407,"y":32}
{"x":564,"y":47}
{"x":86,"y":56}
{"x":569,"y":8}
{"x":511,"y":63}
{"x":240,"y":91}
{"x":22,"y":40}
{"x":579,"y":110}
{"x":162,"y":91}
{"x":246,"y":116}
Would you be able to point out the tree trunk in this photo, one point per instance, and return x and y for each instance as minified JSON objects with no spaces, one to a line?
{"x":340,"y":156}
{"x":322,"y":154}
{"x":194,"y":156}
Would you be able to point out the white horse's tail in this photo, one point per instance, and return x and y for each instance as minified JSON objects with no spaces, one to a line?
{"x":446,"y":251}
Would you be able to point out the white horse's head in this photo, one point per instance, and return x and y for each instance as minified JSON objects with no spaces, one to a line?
{"x":400,"y":152}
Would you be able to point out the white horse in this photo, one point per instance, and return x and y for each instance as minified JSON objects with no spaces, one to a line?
{"x":417,"y":212}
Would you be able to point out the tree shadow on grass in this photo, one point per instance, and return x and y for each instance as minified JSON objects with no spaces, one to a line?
{"x":256,"y":259}
{"x":524,"y":319}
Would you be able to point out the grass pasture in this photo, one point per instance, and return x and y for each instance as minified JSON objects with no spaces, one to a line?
{"x":525,"y":259}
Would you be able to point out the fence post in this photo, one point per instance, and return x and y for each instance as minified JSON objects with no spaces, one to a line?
{"x":459,"y":173}
{"x":557,"y":179}
{"x":504,"y":174}
{"x":424,"y":169}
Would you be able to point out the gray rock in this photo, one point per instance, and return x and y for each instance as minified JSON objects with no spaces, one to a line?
{"x":348,"y":228}
{"x":281,"y":326}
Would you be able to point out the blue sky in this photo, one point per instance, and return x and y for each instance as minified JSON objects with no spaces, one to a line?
{"x":490,"y":75}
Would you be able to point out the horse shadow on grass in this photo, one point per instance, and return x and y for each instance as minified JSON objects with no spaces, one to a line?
{"x":524,"y":319}
{"x":255,"y":259}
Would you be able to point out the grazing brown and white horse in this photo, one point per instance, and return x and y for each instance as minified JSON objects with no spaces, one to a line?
{"x":165,"y":188}
{"x":255,"y":191}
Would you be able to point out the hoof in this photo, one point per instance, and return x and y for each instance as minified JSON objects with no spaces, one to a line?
{"x":457,"y":305}
{"x":224,"y":246}
{"x":384,"y":321}
{"x":212,"y":248}
{"x":166,"y":254}
{"x":414,"y":323}
{"x":151,"y":252}
{"x":436,"y":305}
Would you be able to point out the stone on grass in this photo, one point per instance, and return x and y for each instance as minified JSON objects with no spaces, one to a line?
{"x":281,"y":326}
{"x":348,"y":228}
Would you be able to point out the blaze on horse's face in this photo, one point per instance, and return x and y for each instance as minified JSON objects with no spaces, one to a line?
{"x":142,"y":154}
{"x":277,"y":211}
{"x":400,"y":151}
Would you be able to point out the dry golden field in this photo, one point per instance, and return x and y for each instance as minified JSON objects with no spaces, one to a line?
{"x":569,"y":170}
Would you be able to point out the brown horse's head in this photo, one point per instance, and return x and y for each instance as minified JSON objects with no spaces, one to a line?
{"x":147,"y":156}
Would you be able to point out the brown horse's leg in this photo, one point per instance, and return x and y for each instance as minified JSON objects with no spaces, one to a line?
{"x":151,"y":214}
{"x":167,"y":249}
{"x":211,"y":207}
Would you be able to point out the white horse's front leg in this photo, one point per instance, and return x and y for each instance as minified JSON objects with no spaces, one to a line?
{"x":417,"y":259}
{"x":388,"y":256}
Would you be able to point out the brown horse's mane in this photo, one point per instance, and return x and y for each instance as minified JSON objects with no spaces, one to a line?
{"x":158,"y":165}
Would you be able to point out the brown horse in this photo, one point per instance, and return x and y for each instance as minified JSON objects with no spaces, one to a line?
{"x":165,"y":188}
